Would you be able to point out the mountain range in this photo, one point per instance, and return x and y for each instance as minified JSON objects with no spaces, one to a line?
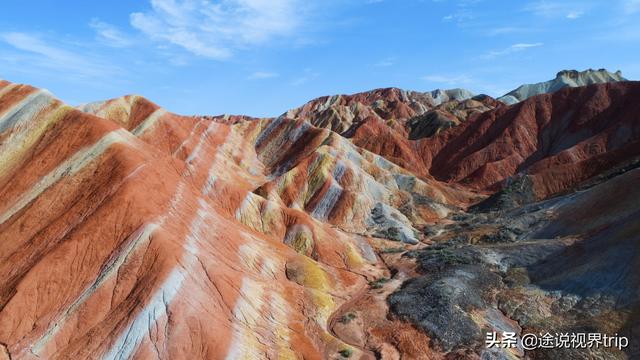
{"x":387,"y":224}
{"x":563,"y":79}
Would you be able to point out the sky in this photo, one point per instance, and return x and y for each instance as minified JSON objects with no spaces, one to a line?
{"x":263,"y":57}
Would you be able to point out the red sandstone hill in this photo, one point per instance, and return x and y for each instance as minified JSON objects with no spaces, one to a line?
{"x":343,"y":113}
{"x":557,"y":140}
{"x":131,"y":232}
{"x":128,"y":231}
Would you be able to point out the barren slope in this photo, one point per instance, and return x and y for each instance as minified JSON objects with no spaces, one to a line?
{"x":132,"y":232}
{"x":139,"y":233}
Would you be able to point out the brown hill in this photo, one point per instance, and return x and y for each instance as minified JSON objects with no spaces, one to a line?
{"x":343,"y":113}
{"x":128,"y":231}
{"x":555,"y":140}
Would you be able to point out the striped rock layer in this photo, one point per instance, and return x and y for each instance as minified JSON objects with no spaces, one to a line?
{"x":131,"y":232}
{"x":128,"y":231}
{"x":556,"y":141}
{"x":344,"y":113}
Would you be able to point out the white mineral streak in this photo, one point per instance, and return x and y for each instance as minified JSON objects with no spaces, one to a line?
{"x":327,"y":202}
{"x":129,"y":340}
{"x":148,"y":122}
{"x":69,"y":167}
{"x":25,"y":110}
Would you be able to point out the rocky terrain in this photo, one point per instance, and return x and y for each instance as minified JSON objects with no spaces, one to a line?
{"x":563,"y":79}
{"x":344,"y":113}
{"x":447,"y":115}
{"x":389,"y":224}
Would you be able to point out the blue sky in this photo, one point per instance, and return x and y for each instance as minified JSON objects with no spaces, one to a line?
{"x":262,"y":57}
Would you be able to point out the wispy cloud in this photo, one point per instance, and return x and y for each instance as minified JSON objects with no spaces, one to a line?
{"x":308,"y":75}
{"x":390,"y":61}
{"x":34,"y":54}
{"x":216,"y":30}
{"x":261,"y":75}
{"x":558,"y":9}
{"x":631,"y":6}
{"x":503,"y":30}
{"x":464,"y":11}
{"x":623,"y":26}
{"x":511,"y":49}
{"x":448,"y":79}
{"x":460,"y":16}
{"x":620,"y":33}
{"x":574,"y":14}
{"x":109,"y":34}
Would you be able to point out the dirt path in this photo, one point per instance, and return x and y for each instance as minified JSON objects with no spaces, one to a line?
{"x":347,"y":307}
{"x":340,"y":312}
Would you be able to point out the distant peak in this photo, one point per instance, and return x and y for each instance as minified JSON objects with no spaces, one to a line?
{"x":564,"y":78}
{"x":574,"y":74}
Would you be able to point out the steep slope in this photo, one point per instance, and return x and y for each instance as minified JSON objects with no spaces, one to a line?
{"x":391,"y":105}
{"x":301,"y":163}
{"x":447,"y":115}
{"x":136,"y":229}
{"x":554,"y":140}
{"x":565,"y":78}
{"x":129,"y":111}
{"x":564,"y":264}
{"x":132,"y":245}
{"x":132,"y":232}
{"x":322,"y":173}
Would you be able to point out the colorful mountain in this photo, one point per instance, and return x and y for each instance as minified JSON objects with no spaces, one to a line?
{"x":387,"y":224}
{"x":563,"y":79}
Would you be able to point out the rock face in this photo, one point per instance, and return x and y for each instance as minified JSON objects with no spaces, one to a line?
{"x":555,"y":140}
{"x":128,"y":231}
{"x":142,"y":233}
{"x":391,"y":224}
{"x":565,"y":78}
{"x":394,"y":106}
{"x":447,"y":115}
{"x":565,"y":265}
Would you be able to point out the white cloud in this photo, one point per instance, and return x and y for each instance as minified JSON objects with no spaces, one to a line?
{"x":109,"y":34}
{"x":558,"y":9}
{"x":507,"y":30}
{"x":461,"y":16}
{"x":522,"y":46}
{"x":511,"y":49}
{"x":216,"y":30}
{"x":574,"y":14}
{"x":621,"y":33}
{"x":390,"y":61}
{"x":383,"y":63}
{"x":502,"y":30}
{"x":622,"y":27}
{"x":631,"y":6}
{"x":260,"y":75}
{"x":447,"y":79}
{"x":307,"y":76}
{"x":463,"y":12}
{"x":35,"y":54}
